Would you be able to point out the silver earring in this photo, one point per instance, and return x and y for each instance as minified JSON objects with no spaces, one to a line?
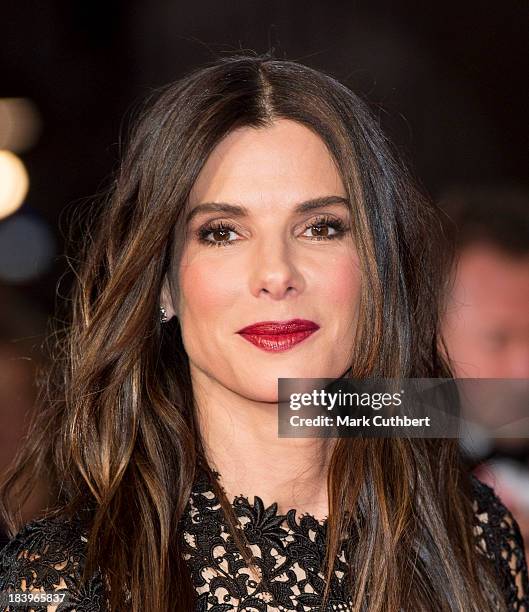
{"x":163,"y":315}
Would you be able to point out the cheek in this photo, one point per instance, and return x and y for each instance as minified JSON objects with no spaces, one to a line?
{"x":206,"y":289}
{"x":459,"y":334}
{"x":204,"y":299}
{"x":209,"y":291}
{"x":340,"y":283}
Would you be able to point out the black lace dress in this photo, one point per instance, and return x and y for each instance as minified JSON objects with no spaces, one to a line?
{"x":47,"y":555}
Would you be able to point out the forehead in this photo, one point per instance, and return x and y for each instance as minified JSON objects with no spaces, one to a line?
{"x":282,"y":163}
{"x":490,"y":279}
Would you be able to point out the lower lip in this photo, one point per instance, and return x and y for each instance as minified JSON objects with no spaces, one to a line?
{"x":277,"y":342}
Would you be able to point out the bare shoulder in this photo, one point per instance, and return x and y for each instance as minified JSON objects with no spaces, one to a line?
{"x":498,"y":537}
{"x":47,"y":557}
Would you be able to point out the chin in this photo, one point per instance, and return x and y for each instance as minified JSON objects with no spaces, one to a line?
{"x":266,"y":383}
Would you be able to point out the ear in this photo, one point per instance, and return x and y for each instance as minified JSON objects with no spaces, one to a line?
{"x":166,"y":300}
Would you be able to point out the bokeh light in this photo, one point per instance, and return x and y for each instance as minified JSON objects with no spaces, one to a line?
{"x":27,"y":246}
{"x":20,"y":124}
{"x":14,"y":183}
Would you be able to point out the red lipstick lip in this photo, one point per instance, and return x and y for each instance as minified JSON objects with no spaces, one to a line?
{"x":276,"y":343}
{"x":279,"y":328}
{"x":278,"y":336}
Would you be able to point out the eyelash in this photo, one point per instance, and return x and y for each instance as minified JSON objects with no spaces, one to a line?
{"x":337,"y":224}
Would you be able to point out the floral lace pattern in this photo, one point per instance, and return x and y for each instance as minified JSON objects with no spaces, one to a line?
{"x":48,"y":555}
{"x":499,"y":538}
{"x":288,"y":553}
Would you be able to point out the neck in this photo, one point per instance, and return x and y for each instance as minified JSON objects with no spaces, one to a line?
{"x":242,"y":444}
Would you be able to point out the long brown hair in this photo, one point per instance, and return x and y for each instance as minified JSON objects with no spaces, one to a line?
{"x":117,"y":431}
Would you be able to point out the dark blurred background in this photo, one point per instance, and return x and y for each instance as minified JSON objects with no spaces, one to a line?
{"x":448,"y":81}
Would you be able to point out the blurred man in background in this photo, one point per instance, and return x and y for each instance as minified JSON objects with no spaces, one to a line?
{"x":486,"y":324}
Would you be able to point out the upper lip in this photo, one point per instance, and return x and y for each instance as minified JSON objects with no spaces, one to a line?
{"x":279,"y":327}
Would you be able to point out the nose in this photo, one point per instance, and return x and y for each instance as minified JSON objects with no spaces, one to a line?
{"x":274,"y":271}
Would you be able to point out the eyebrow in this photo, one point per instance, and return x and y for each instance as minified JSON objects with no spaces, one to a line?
{"x":241,"y":211}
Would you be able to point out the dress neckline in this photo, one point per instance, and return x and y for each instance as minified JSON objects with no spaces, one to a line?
{"x":242,"y":501}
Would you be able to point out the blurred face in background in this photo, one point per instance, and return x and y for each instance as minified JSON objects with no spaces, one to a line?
{"x":486,"y":327}
{"x":486,"y":330}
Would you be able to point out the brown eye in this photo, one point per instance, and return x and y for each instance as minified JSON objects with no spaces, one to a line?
{"x":320,"y":230}
{"x":221,"y":235}
{"x":220,"y":232}
{"x":326,"y":228}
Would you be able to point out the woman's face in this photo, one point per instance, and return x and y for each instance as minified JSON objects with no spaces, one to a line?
{"x":267,"y":262}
